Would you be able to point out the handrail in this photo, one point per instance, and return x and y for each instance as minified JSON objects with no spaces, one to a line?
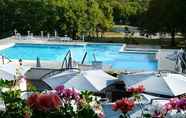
{"x":69,"y":64}
{"x":84,"y":57}
{"x":94,"y":56}
{"x":4,"y":57}
{"x":181,"y":58}
{"x":65,"y":59}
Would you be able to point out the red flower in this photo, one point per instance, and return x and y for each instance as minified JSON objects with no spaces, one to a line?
{"x":44,"y":102}
{"x":125,"y":105}
{"x":140,"y":89}
{"x":33,"y":100}
{"x":114,"y":107}
{"x":137,"y":90}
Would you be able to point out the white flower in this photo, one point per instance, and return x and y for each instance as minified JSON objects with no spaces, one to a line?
{"x":5,"y":89}
{"x":74,"y":105}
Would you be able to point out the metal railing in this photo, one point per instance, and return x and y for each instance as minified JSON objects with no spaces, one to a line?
{"x":5,"y":58}
{"x":84,"y":57}
{"x":67,"y":61}
{"x":181,"y":58}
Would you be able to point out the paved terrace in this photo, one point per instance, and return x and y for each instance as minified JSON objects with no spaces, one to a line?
{"x":165,"y":64}
{"x":137,"y":48}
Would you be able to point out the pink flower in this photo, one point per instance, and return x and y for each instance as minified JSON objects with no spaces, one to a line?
{"x":157,"y":115}
{"x":181,"y":104}
{"x":167,"y":107}
{"x":60,"y":89}
{"x":175,"y":103}
{"x":101,"y":115}
{"x":68,"y":93}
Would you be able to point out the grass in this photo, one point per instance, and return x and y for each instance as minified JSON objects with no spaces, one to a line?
{"x":164,"y":43}
{"x":113,"y":34}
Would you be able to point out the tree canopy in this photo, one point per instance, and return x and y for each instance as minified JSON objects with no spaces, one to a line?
{"x":70,"y":17}
{"x":167,"y":16}
{"x":66,"y":16}
{"x":77,"y":17}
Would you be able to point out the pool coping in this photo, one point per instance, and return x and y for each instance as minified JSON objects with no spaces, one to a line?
{"x":5,"y":46}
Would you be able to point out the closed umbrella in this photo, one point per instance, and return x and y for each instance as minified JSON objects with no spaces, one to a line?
{"x":8,"y":71}
{"x":91,"y":80}
{"x":168,"y":84}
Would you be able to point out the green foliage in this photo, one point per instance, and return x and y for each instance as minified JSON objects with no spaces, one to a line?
{"x":46,"y":105}
{"x":72,"y":17}
{"x":15,"y":106}
{"x":129,"y":11}
{"x":87,"y":96}
{"x":5,"y":83}
{"x":166,"y":16}
{"x":86,"y":112}
{"x":66,"y":16}
{"x":30,"y":87}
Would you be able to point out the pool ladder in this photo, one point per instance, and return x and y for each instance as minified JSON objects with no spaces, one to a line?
{"x":5,"y":58}
{"x":67,"y":61}
{"x":85,"y":55}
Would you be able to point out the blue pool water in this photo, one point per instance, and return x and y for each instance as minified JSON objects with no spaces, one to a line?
{"x":108,"y":53}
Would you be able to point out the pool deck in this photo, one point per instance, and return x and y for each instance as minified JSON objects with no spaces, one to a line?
{"x":139,"y":48}
{"x":12,"y":39}
{"x":165,"y":64}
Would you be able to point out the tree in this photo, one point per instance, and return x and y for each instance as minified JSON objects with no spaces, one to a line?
{"x":128,"y":11}
{"x":106,"y":18}
{"x":164,"y":16}
{"x":71,"y":17}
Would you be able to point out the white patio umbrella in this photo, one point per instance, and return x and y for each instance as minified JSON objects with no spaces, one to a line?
{"x":168,"y":84}
{"x":92,"y":80}
{"x":8,"y":71}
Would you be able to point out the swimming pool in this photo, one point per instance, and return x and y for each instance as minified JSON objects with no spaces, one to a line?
{"x":107,"y":53}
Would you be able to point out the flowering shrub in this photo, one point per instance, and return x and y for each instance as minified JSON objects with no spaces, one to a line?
{"x":137,"y":90}
{"x":44,"y":102}
{"x":175,"y":104}
{"x":175,"y":108}
{"x":61,"y":102}
{"x":68,"y":94}
{"x":125,"y":105}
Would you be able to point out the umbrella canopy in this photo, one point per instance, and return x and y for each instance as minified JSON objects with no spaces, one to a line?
{"x":168,"y":84}
{"x":92,"y":80}
{"x":8,"y":71}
